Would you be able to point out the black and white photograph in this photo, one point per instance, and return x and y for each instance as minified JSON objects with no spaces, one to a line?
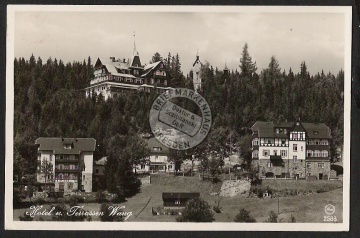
{"x":178,"y":118}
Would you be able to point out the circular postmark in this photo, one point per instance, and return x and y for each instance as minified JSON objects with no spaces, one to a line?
{"x":329,"y":209}
{"x":177,"y":127}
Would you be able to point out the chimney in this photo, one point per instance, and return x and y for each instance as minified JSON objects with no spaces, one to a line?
{"x":112,"y":59}
{"x":124,"y":60}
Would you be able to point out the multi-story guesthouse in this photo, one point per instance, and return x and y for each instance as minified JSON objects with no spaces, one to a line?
{"x":66,"y":162}
{"x":297,"y":150}
{"x":114,"y":76}
{"x":158,"y":160}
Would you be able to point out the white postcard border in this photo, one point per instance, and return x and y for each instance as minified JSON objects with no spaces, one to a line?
{"x":19,"y":225}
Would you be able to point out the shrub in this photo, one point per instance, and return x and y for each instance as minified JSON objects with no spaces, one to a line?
{"x":273,"y":217}
{"x":292,"y":219}
{"x":260,"y":192}
{"x":244,"y":216}
{"x":106,"y":214}
{"x":26,"y":217}
{"x":196,"y":210}
{"x":61,"y":208}
{"x":216,"y":209}
{"x":101,"y":197}
{"x":39,"y":201}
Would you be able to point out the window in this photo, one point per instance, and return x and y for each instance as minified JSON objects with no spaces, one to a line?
{"x":295,"y":136}
{"x":255,"y":154}
{"x":266,"y":152}
{"x":67,"y":146}
{"x":97,"y":171}
{"x":283,"y":153}
{"x":309,"y":153}
{"x":308,"y":165}
{"x":294,"y":147}
{"x":321,"y":165}
{"x":169,"y":166}
{"x":317,"y":153}
{"x":302,"y":148}
{"x":294,"y":158}
{"x":269,"y":164}
{"x":152,"y":81}
{"x":285,"y":132}
{"x":275,"y":152}
{"x":67,"y":157}
{"x":283,"y":141}
{"x":165,"y":82}
{"x":324,"y":142}
{"x":277,"y":130}
{"x":177,"y":202}
{"x":256,"y":141}
{"x":316,"y":132}
{"x":157,"y":148}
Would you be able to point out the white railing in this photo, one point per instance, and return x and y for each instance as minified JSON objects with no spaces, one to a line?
{"x":99,"y":79}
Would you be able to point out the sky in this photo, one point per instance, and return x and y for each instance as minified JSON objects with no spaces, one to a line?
{"x":219,"y":37}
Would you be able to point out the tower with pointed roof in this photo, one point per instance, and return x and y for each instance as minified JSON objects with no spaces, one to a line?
{"x":196,"y":68}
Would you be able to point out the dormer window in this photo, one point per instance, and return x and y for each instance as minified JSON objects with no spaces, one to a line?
{"x":67,"y":146}
{"x":157,"y":148}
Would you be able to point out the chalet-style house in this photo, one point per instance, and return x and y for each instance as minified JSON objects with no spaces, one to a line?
{"x":292,"y":150}
{"x":115,"y":76}
{"x":158,"y":161}
{"x":177,"y":200}
{"x":66,"y":163}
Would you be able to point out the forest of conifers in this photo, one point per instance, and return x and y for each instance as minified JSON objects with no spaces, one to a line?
{"x":49,"y":101}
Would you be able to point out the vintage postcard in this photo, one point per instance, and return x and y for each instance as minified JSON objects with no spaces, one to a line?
{"x":178,"y":118}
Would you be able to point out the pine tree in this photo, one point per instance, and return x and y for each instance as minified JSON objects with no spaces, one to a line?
{"x":247,"y":67}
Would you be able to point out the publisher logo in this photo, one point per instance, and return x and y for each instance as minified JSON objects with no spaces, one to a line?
{"x":329,"y":209}
{"x":175,"y":126}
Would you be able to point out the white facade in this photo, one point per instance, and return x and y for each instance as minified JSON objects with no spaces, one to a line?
{"x":87,"y":173}
{"x":196,"y":73}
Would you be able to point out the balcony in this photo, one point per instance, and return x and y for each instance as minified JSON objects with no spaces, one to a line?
{"x":70,"y":160}
{"x":63,"y":170}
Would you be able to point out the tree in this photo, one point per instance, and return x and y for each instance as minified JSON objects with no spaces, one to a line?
{"x":214,"y":167}
{"x":196,"y":210}
{"x":138,"y":150}
{"x":46,"y":169}
{"x":155,"y":58}
{"x":247,"y":67}
{"x":244,"y":216}
{"x":119,"y":169}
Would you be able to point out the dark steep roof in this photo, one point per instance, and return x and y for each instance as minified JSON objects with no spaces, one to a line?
{"x":323,"y":131}
{"x":313,"y":130}
{"x":152,"y":143}
{"x":180,"y":195}
{"x":56,"y":144}
{"x":136,"y":62}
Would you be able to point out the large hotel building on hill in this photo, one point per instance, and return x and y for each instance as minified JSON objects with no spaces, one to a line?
{"x":296,"y":150}
{"x":114,"y":76}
